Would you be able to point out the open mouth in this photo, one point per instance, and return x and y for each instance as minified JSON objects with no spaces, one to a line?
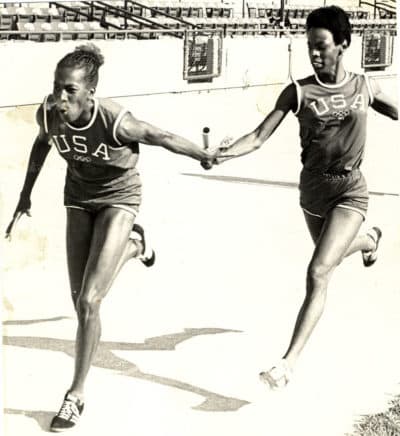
{"x":317,"y":64}
{"x":63,"y":113}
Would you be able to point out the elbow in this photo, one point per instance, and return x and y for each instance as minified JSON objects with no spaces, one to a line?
{"x":258,"y":141}
{"x":387,"y":109}
{"x":392,"y":114}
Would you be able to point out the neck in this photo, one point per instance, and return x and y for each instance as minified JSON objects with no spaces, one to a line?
{"x":336,"y":75}
{"x":85,"y":116}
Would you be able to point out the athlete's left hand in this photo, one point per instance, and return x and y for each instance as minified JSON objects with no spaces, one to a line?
{"x":216,"y":156}
{"x":23,"y":208}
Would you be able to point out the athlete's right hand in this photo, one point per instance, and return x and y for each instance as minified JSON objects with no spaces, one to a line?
{"x":216,"y":156}
{"x":23,"y":208}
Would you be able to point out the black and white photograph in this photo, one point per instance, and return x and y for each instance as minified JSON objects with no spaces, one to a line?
{"x":200,"y":208}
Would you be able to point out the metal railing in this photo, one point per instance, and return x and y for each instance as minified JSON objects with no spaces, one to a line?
{"x":105,"y":7}
{"x":158,"y":12}
{"x":127,"y":33}
{"x":78,"y":12}
{"x":377,"y":5}
{"x":253,"y":27}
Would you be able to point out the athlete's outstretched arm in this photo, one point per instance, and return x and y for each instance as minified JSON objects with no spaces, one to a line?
{"x":39,"y":152}
{"x":130,"y":129}
{"x":254,"y":140}
{"x":383,"y":103}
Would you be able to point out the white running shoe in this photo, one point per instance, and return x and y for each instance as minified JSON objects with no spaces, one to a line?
{"x":278,"y":376}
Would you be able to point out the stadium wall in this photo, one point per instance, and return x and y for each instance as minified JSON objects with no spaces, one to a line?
{"x":140,"y":67}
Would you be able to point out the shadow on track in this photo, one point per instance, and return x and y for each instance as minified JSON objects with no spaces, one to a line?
{"x":105,"y":358}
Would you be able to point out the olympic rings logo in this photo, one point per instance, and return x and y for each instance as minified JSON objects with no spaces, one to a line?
{"x":81,"y":158}
{"x":341,"y":115}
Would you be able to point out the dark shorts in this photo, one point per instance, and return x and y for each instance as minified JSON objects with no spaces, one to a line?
{"x":320,"y":193}
{"x":123,"y":193}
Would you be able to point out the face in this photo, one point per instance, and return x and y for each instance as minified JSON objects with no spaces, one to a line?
{"x":72,"y":93}
{"x":324,"y":53}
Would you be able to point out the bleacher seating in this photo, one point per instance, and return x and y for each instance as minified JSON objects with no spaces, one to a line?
{"x":76,"y":20}
{"x":6,"y":19}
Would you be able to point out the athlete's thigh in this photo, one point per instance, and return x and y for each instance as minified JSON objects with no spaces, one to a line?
{"x":314,"y":225}
{"x":111,"y":230}
{"x":338,"y":232}
{"x":78,"y":240}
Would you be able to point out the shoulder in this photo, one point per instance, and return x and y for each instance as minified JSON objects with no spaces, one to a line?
{"x":289,"y":98}
{"x":112,"y":114}
{"x":118,"y":119}
{"x":300,"y":88}
{"x":309,"y":80}
{"x":110,"y":107}
{"x":369,"y":84}
{"x":353,"y":75}
{"x":289,"y":92}
{"x":359,"y":78}
{"x":45,"y":111}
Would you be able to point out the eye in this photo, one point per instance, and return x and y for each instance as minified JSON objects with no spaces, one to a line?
{"x":319,"y":47}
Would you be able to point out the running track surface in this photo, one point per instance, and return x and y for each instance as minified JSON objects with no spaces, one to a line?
{"x":183,"y":342}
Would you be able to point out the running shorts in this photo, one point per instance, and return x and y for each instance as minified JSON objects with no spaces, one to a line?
{"x":320,"y":193}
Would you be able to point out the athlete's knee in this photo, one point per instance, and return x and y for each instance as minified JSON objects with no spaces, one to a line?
{"x":318,"y":275}
{"x":88,"y":305}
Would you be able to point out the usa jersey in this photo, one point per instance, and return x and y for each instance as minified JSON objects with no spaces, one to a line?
{"x":100,"y":168}
{"x":332,"y":121}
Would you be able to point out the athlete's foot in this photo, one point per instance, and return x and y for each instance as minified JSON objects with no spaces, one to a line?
{"x":278,"y":376}
{"x":369,"y":257}
{"x":68,"y":415}
{"x":147,"y":255}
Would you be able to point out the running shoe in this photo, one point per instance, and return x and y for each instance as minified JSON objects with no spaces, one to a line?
{"x":148,"y":257}
{"x":278,"y":376}
{"x":68,"y":415}
{"x":371,"y":256}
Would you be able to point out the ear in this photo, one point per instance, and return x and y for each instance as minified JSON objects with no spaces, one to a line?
{"x":343,"y":46}
{"x":92,"y":91}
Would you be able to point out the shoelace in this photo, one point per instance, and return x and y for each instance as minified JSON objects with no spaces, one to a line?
{"x":68,"y":411}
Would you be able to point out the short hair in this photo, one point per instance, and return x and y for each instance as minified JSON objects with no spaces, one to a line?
{"x":86,"y":56}
{"x":331,"y":18}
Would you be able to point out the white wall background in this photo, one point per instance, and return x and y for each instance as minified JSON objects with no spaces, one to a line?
{"x":136,"y":67}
